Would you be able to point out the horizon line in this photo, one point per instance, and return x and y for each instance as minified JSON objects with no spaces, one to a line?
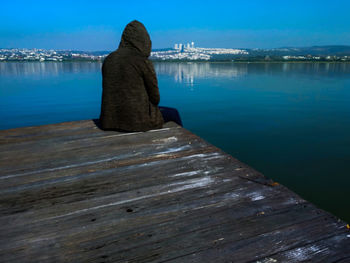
{"x":328,"y":45}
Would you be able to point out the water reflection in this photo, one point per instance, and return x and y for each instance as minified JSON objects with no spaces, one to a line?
{"x":181,"y":71}
{"x":341,"y":69}
{"x":22,"y":69}
{"x":188,"y":72}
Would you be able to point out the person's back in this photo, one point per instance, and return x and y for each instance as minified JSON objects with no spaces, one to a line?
{"x":130,"y":89}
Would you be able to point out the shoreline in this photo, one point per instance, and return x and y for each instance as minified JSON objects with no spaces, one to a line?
{"x":189,"y":62}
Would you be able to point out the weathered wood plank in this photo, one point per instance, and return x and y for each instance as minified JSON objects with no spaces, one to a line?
{"x":122,"y":178}
{"x":33,"y":133}
{"x":47,"y":155}
{"x":85,"y":134}
{"x":123,"y":225}
{"x":66,"y":130}
{"x":332,"y":249}
{"x":70,"y":192}
{"x":190,"y":194}
{"x":262,"y":245}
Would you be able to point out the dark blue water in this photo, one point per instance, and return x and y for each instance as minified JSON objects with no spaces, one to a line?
{"x":291,"y":121}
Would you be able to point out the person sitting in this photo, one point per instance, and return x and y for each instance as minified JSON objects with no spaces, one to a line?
{"x":130,"y":95}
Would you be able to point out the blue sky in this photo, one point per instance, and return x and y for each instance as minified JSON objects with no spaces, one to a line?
{"x":97,"y":25}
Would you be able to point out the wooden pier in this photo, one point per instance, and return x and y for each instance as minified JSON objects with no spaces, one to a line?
{"x":73,"y":193}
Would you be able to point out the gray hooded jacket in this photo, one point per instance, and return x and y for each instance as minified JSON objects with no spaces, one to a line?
{"x":130,"y":89}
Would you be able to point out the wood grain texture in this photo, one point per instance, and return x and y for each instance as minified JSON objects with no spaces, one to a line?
{"x":70,"y":192}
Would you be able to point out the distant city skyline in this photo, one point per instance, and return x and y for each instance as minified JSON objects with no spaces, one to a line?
{"x":87,"y":25}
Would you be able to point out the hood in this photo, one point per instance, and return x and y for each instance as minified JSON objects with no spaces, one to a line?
{"x":136,"y":36}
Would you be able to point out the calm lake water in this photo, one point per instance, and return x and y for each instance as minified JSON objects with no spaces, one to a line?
{"x":290,"y":121}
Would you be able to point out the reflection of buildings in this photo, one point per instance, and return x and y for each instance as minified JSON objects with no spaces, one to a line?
{"x":47,"y":68}
{"x":187,"y":72}
{"x":182,"y":72}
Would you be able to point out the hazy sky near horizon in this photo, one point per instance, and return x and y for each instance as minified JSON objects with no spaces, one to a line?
{"x":98,"y":25}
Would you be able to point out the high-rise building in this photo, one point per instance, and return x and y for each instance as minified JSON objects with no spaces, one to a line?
{"x":192,"y":44}
{"x":180,"y":47}
{"x":188,"y":46}
{"x":176,"y":46}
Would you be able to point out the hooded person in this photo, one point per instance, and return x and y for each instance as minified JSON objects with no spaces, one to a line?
{"x":130,"y":95}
